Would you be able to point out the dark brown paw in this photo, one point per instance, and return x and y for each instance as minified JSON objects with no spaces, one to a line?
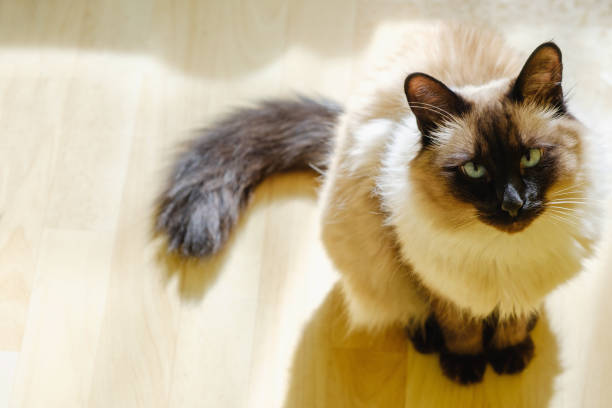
{"x":427,"y":339}
{"x":463,"y":368}
{"x":513,"y":359}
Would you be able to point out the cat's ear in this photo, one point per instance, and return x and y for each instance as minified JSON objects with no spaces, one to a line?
{"x":432,"y":102}
{"x":540,"y":79}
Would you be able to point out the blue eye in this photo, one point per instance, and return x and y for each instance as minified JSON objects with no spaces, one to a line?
{"x":531,"y":158}
{"x":473,"y":170}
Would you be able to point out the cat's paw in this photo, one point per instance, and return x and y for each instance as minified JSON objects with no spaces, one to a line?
{"x":463,"y":368}
{"x":428,"y":338}
{"x":513,"y":359}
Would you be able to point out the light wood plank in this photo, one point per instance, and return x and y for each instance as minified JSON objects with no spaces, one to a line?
{"x":96,"y":96}
{"x":64,"y":320}
{"x":26,"y":168}
{"x":8,"y":362}
{"x":142,"y":302}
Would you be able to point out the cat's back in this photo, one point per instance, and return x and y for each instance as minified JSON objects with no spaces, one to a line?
{"x":469,"y":56}
{"x":458,"y":55}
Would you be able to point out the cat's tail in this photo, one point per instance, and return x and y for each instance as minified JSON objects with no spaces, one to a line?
{"x":213,"y":179}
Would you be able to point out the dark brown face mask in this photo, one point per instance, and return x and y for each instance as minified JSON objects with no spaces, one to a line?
{"x":506,"y":179}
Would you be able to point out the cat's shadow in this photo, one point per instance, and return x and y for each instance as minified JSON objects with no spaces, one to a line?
{"x":335,"y":367}
{"x":332,"y":366}
{"x":188,"y":35}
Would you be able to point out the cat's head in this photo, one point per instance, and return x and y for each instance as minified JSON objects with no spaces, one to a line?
{"x":502,"y":155}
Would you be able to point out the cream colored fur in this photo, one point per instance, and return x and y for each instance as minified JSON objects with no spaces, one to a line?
{"x":382,"y":234}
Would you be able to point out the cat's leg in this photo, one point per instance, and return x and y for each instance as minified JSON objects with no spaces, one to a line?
{"x":427,"y":337}
{"x":462,"y":356}
{"x":379,"y":289}
{"x":511,"y":348}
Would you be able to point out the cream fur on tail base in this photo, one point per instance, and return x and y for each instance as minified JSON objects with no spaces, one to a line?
{"x":459,"y":191}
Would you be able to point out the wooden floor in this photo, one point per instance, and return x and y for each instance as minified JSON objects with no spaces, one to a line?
{"x":94,"y":99}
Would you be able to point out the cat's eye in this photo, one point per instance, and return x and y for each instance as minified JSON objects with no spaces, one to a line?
{"x":473,"y":170}
{"x":531,"y":158}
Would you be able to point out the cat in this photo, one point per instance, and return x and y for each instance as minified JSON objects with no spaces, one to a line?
{"x":458,"y":190}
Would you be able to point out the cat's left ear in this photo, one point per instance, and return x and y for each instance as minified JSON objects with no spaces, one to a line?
{"x":540,"y":79}
{"x":432,"y":103}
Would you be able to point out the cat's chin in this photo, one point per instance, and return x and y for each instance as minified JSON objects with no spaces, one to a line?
{"x":508,"y":224}
{"x":514,"y":227}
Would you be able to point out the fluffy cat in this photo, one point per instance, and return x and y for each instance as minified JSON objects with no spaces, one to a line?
{"x":458,"y":191}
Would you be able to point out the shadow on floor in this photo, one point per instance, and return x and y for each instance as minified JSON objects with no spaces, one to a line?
{"x":255,"y":31}
{"x":334,"y":368}
{"x":197,"y":276}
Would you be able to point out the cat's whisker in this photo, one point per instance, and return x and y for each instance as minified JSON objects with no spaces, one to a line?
{"x":558,"y":223}
{"x":432,"y":108}
{"x":553,"y":220}
{"x":568,"y":218}
{"x":573,"y":198}
{"x":570,"y":197}
{"x":564,"y":207}
{"x":567,"y":209}
{"x":572,"y":201}
{"x":574,"y":185}
{"x":566,"y":188}
{"x":568,"y":194}
{"x":579,"y":196}
{"x":437,"y":108}
{"x":573,"y":190}
{"x":565,"y":216}
{"x":564,"y":219}
{"x":573,"y":205}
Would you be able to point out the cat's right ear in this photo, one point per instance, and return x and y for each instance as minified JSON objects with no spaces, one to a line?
{"x":432,"y":103}
{"x":540,"y":79}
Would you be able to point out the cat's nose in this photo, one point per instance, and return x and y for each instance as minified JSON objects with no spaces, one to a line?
{"x":511,"y":202}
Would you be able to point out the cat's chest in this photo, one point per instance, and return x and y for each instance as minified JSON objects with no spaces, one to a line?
{"x":486,"y":276}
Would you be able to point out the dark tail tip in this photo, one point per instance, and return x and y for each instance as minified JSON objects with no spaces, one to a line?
{"x":196,"y":223}
{"x":213,"y":179}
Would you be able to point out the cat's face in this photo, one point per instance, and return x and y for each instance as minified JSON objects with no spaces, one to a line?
{"x":507,"y":162}
{"x":501,"y":159}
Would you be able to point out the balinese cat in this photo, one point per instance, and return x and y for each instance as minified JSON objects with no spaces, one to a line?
{"x":458,"y":192}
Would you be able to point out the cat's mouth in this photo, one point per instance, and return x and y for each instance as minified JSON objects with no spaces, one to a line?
{"x":505,"y":222}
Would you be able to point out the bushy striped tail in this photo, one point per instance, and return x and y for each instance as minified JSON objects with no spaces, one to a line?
{"x":213,"y":179}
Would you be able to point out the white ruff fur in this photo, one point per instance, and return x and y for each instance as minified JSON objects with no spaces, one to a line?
{"x":477,"y":266}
